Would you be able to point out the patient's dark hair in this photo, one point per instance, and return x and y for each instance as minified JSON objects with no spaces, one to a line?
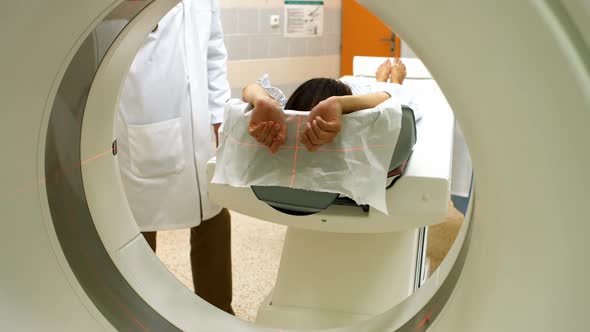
{"x":310,"y":93}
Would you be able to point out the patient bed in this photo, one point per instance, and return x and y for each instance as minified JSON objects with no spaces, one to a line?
{"x":419,"y":197}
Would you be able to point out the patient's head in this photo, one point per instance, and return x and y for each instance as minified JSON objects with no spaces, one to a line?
{"x":310,"y":93}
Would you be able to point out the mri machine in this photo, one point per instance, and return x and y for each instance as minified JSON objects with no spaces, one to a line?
{"x":517,"y":74}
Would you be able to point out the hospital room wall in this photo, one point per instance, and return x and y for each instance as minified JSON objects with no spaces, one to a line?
{"x":255,"y":48}
{"x":406,"y":51}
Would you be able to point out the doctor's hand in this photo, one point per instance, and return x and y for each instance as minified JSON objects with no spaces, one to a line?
{"x":267,"y":123}
{"x":216,"y":131}
{"x":323,"y":124}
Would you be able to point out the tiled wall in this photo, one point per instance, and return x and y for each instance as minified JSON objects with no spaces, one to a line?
{"x":248,"y":35}
{"x":251,"y":41}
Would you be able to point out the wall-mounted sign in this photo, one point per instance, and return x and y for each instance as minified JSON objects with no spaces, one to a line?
{"x":304,"y":18}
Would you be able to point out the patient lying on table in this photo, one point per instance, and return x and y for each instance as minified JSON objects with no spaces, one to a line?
{"x":325,"y":99}
{"x":313,"y":148}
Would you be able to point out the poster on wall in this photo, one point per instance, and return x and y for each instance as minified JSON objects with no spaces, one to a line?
{"x":304,"y":18}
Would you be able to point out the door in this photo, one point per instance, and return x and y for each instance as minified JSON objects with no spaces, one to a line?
{"x":364,"y":34}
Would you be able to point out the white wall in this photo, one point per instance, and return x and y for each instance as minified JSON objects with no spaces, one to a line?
{"x":406,"y":51}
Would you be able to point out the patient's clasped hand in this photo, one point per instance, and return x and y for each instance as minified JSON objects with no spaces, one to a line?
{"x":334,"y":142}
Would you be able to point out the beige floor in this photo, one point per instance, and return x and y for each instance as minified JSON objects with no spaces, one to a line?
{"x":256,"y":250}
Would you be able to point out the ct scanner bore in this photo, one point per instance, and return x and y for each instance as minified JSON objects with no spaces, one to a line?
{"x":517,"y":75}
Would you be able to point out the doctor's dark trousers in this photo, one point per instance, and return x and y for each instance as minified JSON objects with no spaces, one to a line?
{"x":210,"y":259}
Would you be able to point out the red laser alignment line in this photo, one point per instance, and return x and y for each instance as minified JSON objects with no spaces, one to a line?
{"x":290,"y":147}
{"x":63,"y":171}
{"x":110,"y":150}
{"x":98,"y":276}
{"x":424,"y":321}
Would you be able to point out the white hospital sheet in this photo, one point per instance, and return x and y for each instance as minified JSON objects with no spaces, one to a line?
{"x":354,"y":165}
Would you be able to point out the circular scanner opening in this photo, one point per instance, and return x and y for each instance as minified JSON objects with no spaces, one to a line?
{"x":257,"y":244}
{"x":93,"y":221}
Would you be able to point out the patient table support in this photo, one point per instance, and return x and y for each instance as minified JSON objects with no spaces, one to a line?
{"x":325,"y":277}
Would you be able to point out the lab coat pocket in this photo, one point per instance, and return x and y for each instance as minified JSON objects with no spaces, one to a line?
{"x":156,"y":149}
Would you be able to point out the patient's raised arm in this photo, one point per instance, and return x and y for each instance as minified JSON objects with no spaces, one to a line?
{"x":267,"y":122}
{"x":325,"y":119}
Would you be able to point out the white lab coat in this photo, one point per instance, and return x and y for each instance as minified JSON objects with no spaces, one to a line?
{"x":175,"y":90}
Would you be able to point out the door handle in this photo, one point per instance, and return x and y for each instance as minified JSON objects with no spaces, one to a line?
{"x":390,"y":40}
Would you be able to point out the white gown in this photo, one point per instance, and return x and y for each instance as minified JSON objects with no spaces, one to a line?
{"x":175,"y":90}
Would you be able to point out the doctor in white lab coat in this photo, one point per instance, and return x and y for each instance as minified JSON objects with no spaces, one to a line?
{"x":175,"y":91}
